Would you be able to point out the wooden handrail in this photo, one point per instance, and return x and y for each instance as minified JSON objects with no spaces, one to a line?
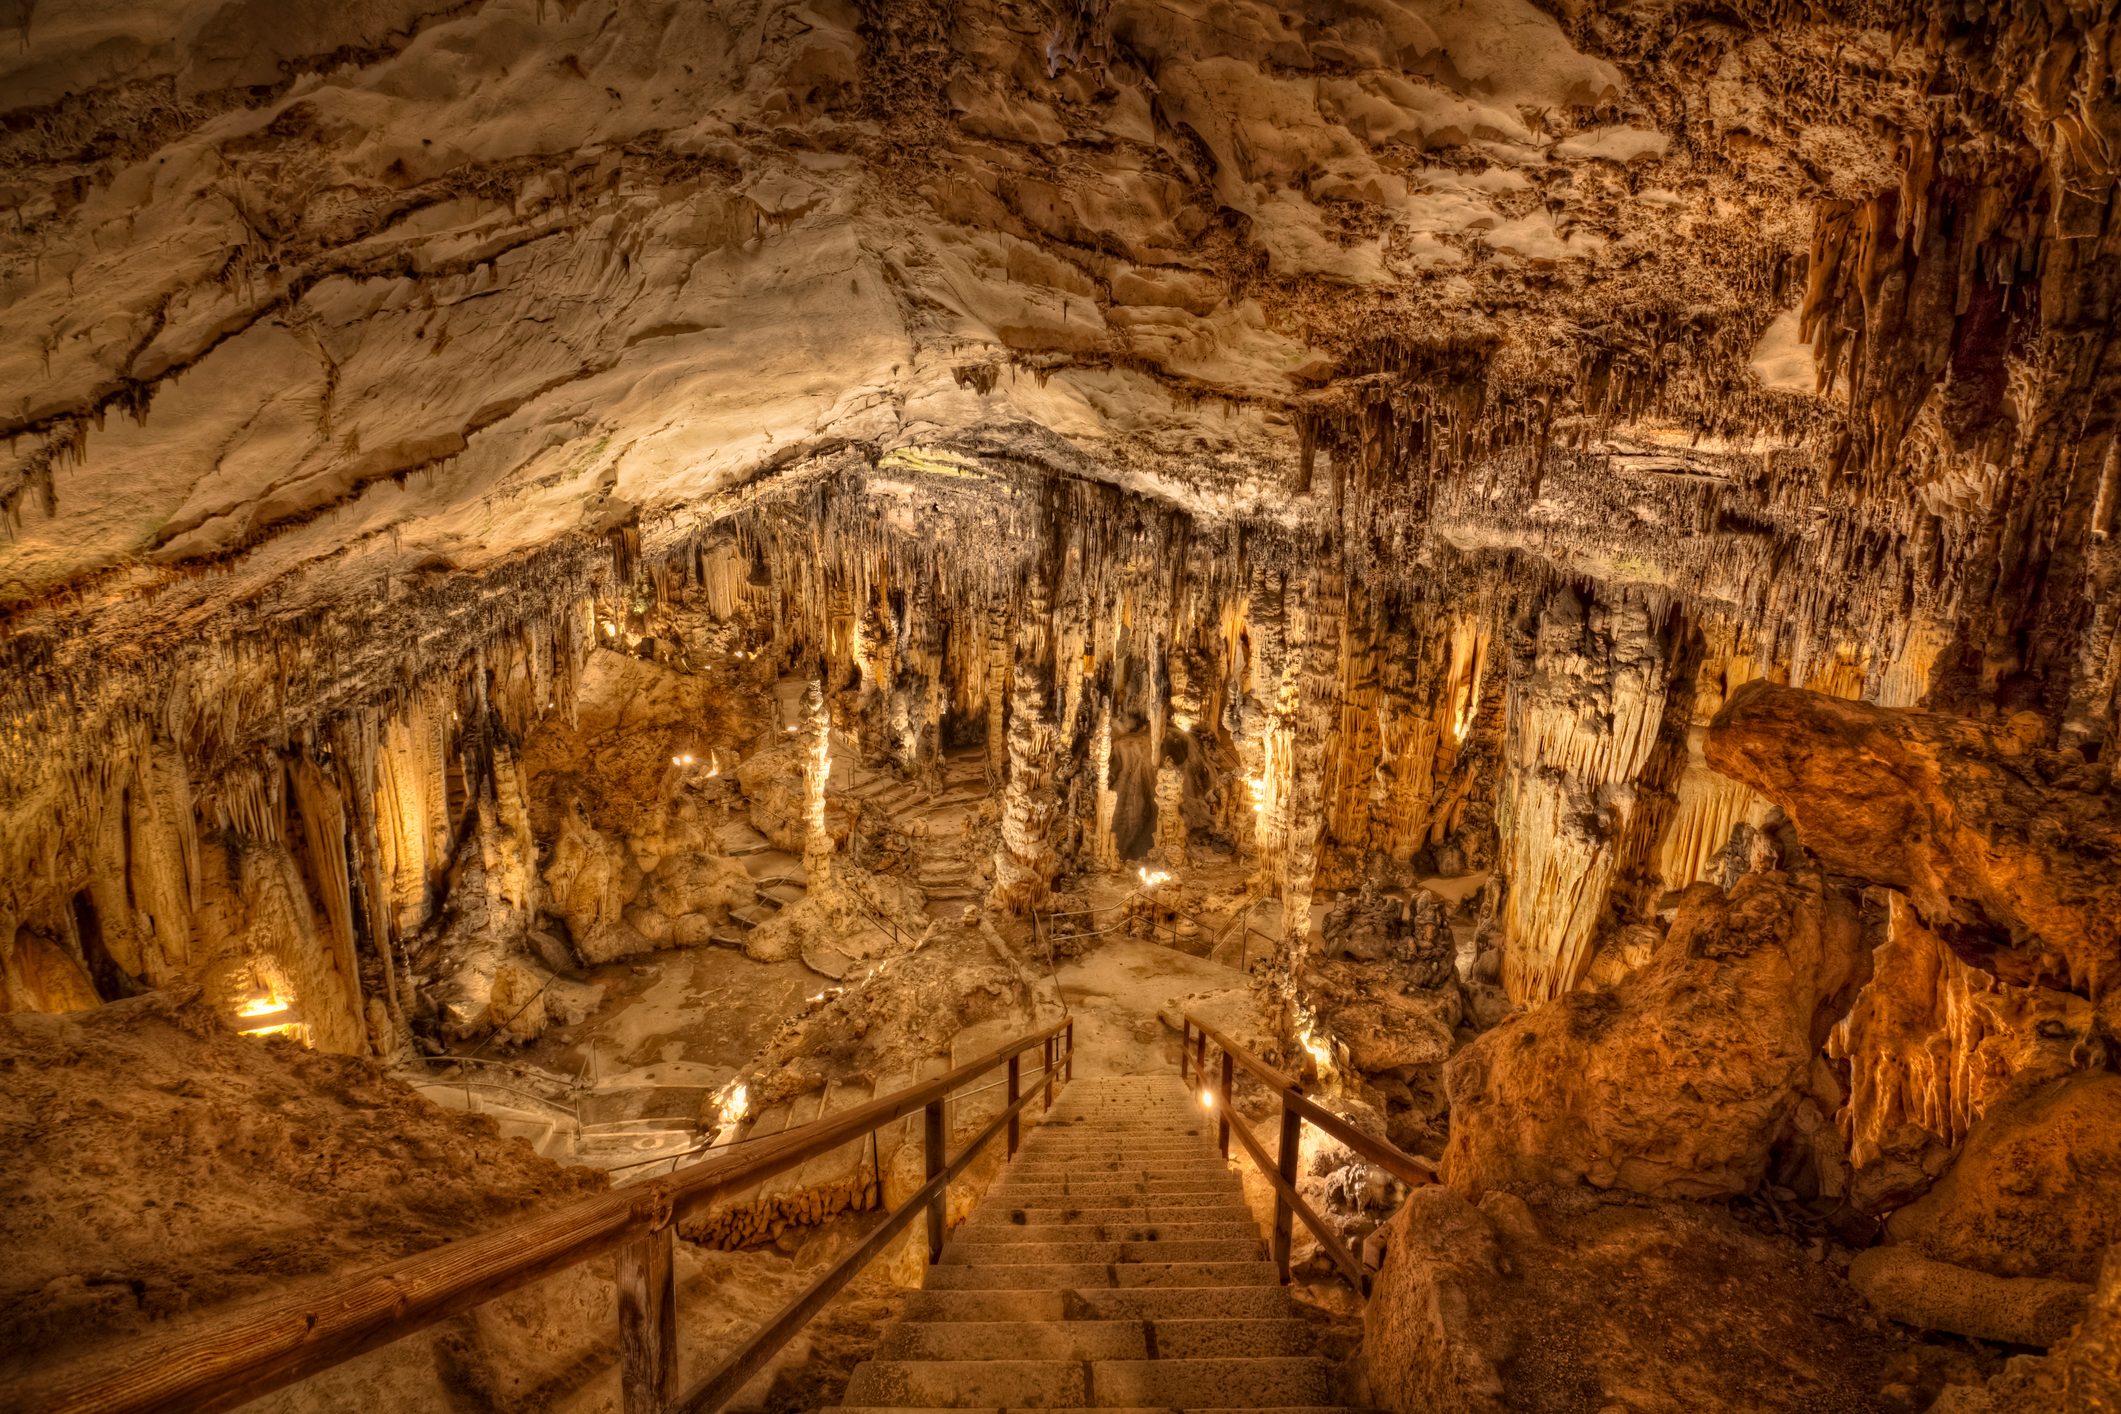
{"x":269,"y":1344}
{"x":1410,"y":1169}
{"x":1280,"y":1171}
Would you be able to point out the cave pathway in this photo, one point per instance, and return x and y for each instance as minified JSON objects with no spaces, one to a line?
{"x":1114,"y":1266}
{"x":1121,"y":990}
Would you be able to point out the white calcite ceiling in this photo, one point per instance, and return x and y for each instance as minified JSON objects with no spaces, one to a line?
{"x":385,"y":287}
{"x":335,"y":338}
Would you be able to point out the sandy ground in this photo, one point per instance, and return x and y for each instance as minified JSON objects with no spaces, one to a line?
{"x":154,"y":1165}
{"x":689,"y":1016}
{"x":1116,"y":991}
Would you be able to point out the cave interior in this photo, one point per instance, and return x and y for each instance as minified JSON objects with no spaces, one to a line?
{"x":588,"y":587}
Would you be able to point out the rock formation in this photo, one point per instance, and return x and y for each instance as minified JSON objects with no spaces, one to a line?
{"x":1679,"y":1080}
{"x":2005,"y":849}
{"x":1573,"y":1301}
{"x":1576,"y":544}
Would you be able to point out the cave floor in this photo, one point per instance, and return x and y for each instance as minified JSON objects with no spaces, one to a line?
{"x":1118,"y":991}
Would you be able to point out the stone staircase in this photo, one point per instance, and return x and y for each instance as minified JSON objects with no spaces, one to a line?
{"x":1114,"y":1266}
{"x":929,"y":817}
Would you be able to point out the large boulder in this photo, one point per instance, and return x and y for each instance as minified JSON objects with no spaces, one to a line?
{"x":2035,"y":1190}
{"x":2012,"y":855}
{"x":1677,"y":1080}
{"x":1384,"y":1013}
{"x":1578,"y":1302}
{"x":591,"y":879}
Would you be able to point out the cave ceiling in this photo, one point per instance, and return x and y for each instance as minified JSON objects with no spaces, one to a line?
{"x":337,"y":338}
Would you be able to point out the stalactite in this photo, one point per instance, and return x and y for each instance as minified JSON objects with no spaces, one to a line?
{"x":1930,"y":1042}
{"x":1587,"y":700}
{"x":322,"y":823}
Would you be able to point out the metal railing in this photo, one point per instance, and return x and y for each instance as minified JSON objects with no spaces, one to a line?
{"x":1280,"y":1171}
{"x":268,"y":1345}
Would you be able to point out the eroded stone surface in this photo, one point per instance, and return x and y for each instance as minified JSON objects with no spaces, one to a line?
{"x":1571,"y":1301}
{"x":2010,"y":852}
{"x":1676,"y":1081}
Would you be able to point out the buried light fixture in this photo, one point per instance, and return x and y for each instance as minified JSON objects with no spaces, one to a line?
{"x":267,"y":1013}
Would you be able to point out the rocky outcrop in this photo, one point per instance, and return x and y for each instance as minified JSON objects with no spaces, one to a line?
{"x":1930,"y":1044}
{"x":2008,"y":853}
{"x":1571,"y":1303}
{"x":2035,"y":1190}
{"x":591,"y":880}
{"x":208,"y":1169}
{"x":1678,"y":1080}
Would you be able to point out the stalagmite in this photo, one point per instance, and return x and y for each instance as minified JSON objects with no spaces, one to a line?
{"x":1024,"y":861}
{"x":817,"y":775}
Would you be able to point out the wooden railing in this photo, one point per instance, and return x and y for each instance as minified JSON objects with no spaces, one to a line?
{"x":267,"y":1345}
{"x":1280,"y":1171}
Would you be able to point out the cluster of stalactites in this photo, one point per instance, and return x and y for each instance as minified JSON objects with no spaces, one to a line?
{"x":286,"y":881}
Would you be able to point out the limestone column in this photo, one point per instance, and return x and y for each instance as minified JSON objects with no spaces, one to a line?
{"x":1182,"y":674}
{"x":1025,"y":860}
{"x":817,"y":775}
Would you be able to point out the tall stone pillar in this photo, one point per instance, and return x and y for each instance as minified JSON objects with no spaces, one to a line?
{"x":817,"y":776}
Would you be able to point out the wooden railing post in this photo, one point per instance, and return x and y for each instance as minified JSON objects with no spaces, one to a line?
{"x":1068,"y":1061}
{"x":1200,"y":1056}
{"x":648,"y":1323}
{"x":932,"y":1137}
{"x":1222,"y":1129}
{"x":1185,"y":1050}
{"x":1049,"y":1077}
{"x":1013,"y":1095}
{"x":1292,"y":1131}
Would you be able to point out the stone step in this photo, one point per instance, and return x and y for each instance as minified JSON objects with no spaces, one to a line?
{"x":1005,"y":1276}
{"x":1181,"y":1142}
{"x":1049,"y":1145}
{"x":1083,"y":1409}
{"x":1096,"y":1340}
{"x":1168,"y":1303}
{"x":1063,"y":1208}
{"x":1247,"y":1249}
{"x":1035,"y":1166}
{"x":990,"y":1217}
{"x":1185,"y":1339}
{"x":982,"y":1231}
{"x":1189,"y":1129}
{"x":1262,"y":1383}
{"x":1017,"y":1340}
{"x":1224,"y":1186}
